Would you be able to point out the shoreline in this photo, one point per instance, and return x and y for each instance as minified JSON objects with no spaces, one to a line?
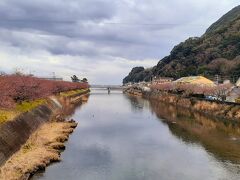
{"x":220,"y":110}
{"x":47,"y":129}
{"x":42,"y":148}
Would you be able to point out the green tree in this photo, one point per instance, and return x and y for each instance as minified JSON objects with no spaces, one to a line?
{"x":75,"y":78}
{"x":84,"y":80}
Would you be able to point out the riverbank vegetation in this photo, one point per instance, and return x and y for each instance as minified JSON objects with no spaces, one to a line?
{"x":19,"y":88}
{"x":20,"y":93}
{"x":218,"y":91}
{"x":5,"y":115}
{"x":208,"y":100}
{"x":73,"y":92}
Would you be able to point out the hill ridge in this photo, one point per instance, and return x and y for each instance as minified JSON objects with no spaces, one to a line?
{"x":215,"y":52}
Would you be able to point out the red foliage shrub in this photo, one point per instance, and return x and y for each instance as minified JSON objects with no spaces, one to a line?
{"x":218,"y":90}
{"x":18,"y":88}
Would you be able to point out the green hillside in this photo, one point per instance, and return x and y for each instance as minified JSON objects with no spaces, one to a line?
{"x":216,"y":52}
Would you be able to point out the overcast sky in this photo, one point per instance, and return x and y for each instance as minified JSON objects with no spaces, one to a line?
{"x":98,"y":39}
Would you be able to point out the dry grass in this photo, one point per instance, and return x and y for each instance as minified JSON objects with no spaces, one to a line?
{"x":42,"y":148}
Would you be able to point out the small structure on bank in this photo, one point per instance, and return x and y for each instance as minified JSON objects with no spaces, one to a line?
{"x":238,"y":83}
{"x":196,"y":80}
{"x":226,"y":81}
{"x":234,"y":95}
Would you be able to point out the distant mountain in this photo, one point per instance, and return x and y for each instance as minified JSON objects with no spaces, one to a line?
{"x":215,"y":52}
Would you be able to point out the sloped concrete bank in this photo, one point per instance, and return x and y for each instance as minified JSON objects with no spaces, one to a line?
{"x":14,"y":134}
{"x":215,"y":109}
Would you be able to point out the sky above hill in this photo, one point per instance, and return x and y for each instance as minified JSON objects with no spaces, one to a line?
{"x":98,"y":39}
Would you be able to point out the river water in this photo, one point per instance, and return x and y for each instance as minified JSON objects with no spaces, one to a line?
{"x":127,"y":138}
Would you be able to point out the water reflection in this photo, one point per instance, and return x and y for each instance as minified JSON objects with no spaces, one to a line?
{"x":137,"y":103}
{"x":126,"y":138}
{"x":219,"y":137}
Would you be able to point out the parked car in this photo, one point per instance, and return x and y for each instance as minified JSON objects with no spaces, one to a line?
{"x":213,"y":98}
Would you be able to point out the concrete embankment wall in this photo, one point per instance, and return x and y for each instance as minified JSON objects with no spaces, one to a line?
{"x":211,"y":108}
{"x":13,"y":134}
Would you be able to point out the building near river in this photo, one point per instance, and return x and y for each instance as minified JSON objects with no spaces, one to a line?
{"x":161,"y":80}
{"x":197,"y":80}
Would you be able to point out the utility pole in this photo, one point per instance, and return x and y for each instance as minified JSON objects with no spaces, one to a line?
{"x":54,"y":76}
{"x":217,"y":78}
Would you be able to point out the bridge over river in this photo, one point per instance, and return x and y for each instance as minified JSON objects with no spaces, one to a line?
{"x":108,"y":88}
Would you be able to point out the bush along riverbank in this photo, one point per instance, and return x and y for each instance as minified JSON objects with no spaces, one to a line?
{"x":22,"y":93}
{"x":217,"y":109}
{"x":35,"y":138}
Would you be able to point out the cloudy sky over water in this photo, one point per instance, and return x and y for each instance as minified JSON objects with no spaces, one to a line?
{"x":98,"y":39}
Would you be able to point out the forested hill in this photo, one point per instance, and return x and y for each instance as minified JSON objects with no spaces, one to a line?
{"x":216,"y":52}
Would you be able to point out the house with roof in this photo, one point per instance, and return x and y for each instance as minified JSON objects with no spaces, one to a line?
{"x":161,"y":80}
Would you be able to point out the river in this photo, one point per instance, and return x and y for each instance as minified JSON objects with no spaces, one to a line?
{"x":127,"y":138}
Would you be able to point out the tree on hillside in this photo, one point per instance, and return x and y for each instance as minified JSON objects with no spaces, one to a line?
{"x":75,"y":78}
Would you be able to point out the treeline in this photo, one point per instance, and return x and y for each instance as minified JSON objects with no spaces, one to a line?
{"x":138,"y":74}
{"x":18,"y":88}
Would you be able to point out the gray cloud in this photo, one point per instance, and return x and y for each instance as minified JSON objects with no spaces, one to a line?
{"x":99,"y":32}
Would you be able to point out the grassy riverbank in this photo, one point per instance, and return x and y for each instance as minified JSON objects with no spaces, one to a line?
{"x":25,"y":106}
{"x":74,"y":92}
{"x":42,"y":148}
{"x":44,"y":143}
{"x":10,"y":114}
{"x":21,"y":93}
